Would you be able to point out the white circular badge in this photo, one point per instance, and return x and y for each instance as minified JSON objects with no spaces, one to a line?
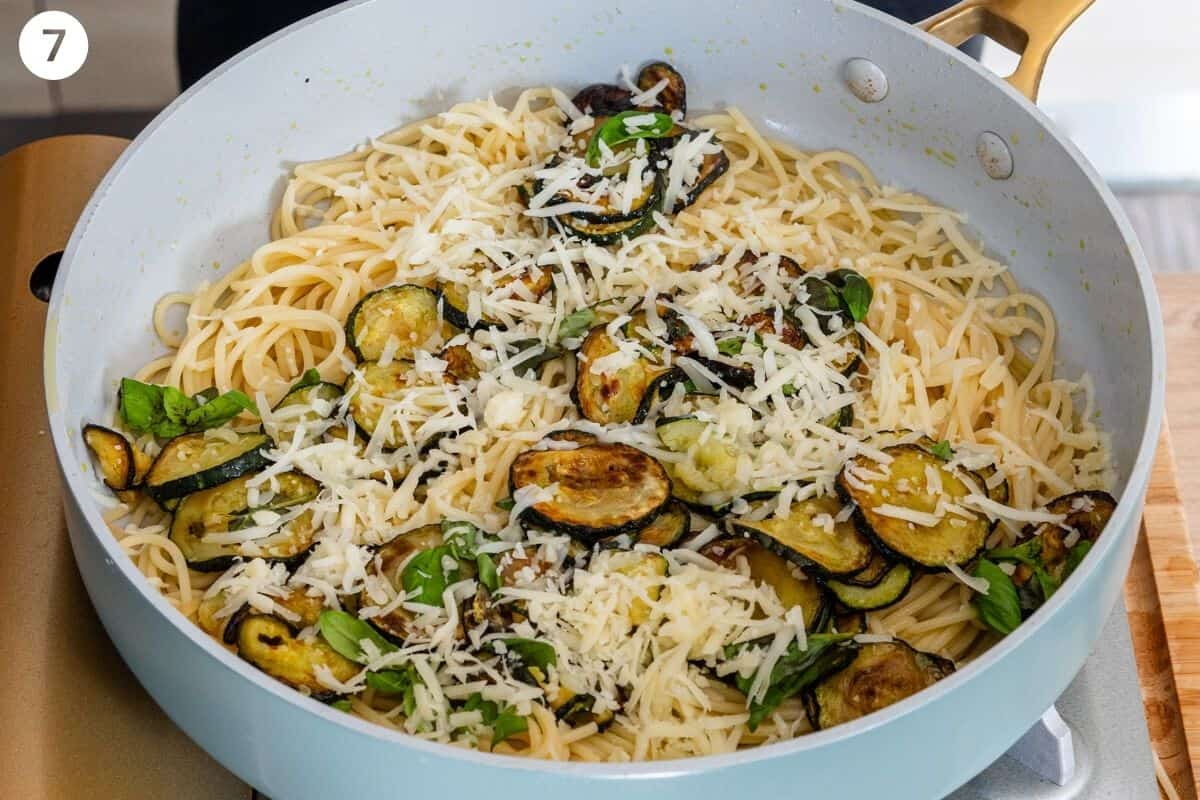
{"x":53,"y":45}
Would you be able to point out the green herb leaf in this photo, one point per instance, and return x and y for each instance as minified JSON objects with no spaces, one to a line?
{"x":528,"y":356}
{"x":856,"y":295}
{"x":167,"y":412}
{"x":577,"y":323}
{"x":425,"y":577}
{"x":823,"y":296}
{"x":394,"y":680}
{"x":220,"y":410}
{"x":341,"y":705}
{"x":488,"y":575}
{"x":310,"y":378}
{"x":1000,"y":608}
{"x":1075,"y":555}
{"x":942,"y":450}
{"x":532,"y":652}
{"x":506,"y":504}
{"x":796,"y":670}
{"x":730,"y":347}
{"x":204,"y":395}
{"x":1047,"y":583}
{"x":344,"y":633}
{"x":615,"y":131}
{"x":1028,"y":552}
{"x":507,"y":724}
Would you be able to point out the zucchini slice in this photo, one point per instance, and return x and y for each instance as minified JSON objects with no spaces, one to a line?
{"x":460,"y":364}
{"x":607,"y":233}
{"x":1087,"y":513}
{"x":390,"y":560}
{"x":673,"y":96}
{"x":804,"y":538}
{"x":603,"y":489}
{"x":890,"y":589}
{"x":408,"y":312}
{"x":602,"y":99}
{"x":623,"y":396}
{"x":712,"y":463}
{"x":226,"y":508}
{"x":850,"y":362}
{"x":872,"y":573}
{"x":998,"y":492}
{"x":319,"y":402}
{"x":610,"y":213}
{"x":577,"y":437}
{"x":671,"y":525}
{"x":372,"y":390}
{"x":643,"y":565}
{"x":777,"y":572}
{"x":880,"y":675}
{"x":194,"y":461}
{"x":456,"y":297}
{"x":114,"y":455}
{"x":272,"y":645}
{"x":712,"y":167}
{"x":790,"y":332}
{"x":849,"y":622}
{"x":885,"y":492}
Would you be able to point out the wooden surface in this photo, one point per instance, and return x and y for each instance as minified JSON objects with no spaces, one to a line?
{"x":76,"y":722}
{"x":1180,"y":298}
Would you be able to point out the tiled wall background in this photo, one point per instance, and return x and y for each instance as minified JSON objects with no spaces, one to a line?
{"x":130,"y":65}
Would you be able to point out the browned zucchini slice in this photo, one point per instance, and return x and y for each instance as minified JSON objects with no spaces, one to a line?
{"x":194,"y":461}
{"x":391,"y":559}
{"x":880,"y":675}
{"x":319,"y":402}
{"x":373,"y":389}
{"x":673,"y":96}
{"x":272,"y":645}
{"x":998,"y":492}
{"x":872,"y":573}
{"x":1086,"y":515}
{"x":712,"y":167}
{"x":226,"y":508}
{"x":777,"y":572}
{"x":602,"y":99}
{"x":789,"y":332}
{"x":603,"y":489}
{"x":456,"y":296}
{"x":460,"y":364}
{"x":712,"y":463}
{"x":622,"y":396}
{"x":849,"y":622}
{"x":803,"y":537}
{"x":668,"y":527}
{"x":883,"y":492}
{"x":606,"y":233}
{"x":577,"y":437}
{"x":890,"y":589}
{"x":609,"y":212}
{"x":408,"y":312}
{"x":114,"y":455}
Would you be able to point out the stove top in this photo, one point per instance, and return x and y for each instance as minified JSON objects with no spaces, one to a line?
{"x":1094,"y":742}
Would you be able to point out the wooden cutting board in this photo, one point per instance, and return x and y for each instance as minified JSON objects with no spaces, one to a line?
{"x":79,"y":725}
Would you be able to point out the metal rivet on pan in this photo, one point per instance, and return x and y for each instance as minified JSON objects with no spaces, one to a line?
{"x":865,"y":79}
{"x":994,"y":155}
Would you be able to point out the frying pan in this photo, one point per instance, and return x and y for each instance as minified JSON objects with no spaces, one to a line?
{"x":195,"y":191}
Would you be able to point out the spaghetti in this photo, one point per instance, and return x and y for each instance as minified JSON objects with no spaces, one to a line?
{"x":943,"y":349}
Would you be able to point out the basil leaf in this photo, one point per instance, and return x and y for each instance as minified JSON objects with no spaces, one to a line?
{"x":1028,"y":552}
{"x":942,"y":450}
{"x":344,"y":633}
{"x":140,"y":404}
{"x":310,"y":378}
{"x":341,"y":705}
{"x":425,"y":577}
{"x":1046,"y":582}
{"x":615,"y":131}
{"x":577,"y":323}
{"x":532,"y":652}
{"x":204,"y":395}
{"x":461,"y":537}
{"x":730,"y":347}
{"x":1000,"y":608}
{"x":822,"y":295}
{"x":1075,"y":555}
{"x":488,"y":575}
{"x":220,"y":410}
{"x":529,"y":356}
{"x":856,"y":294}
{"x":394,"y":680}
{"x":506,"y":725}
{"x":506,"y":504}
{"x":796,"y":670}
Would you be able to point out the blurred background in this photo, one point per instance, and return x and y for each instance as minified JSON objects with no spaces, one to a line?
{"x":1124,"y":84}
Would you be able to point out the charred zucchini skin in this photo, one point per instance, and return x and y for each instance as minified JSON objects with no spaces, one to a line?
{"x":673,"y":97}
{"x":270,"y":644}
{"x":880,"y":675}
{"x":668,"y":528}
{"x":768,"y":567}
{"x":368,"y":326}
{"x":114,"y":455}
{"x":650,"y":200}
{"x":191,"y":463}
{"x":971,"y":539}
{"x":712,"y":168}
{"x":603,"y":99}
{"x":852,"y":553}
{"x":627,"y":488}
{"x":607,"y":399}
{"x":610,"y":233}
{"x":889,"y":590}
